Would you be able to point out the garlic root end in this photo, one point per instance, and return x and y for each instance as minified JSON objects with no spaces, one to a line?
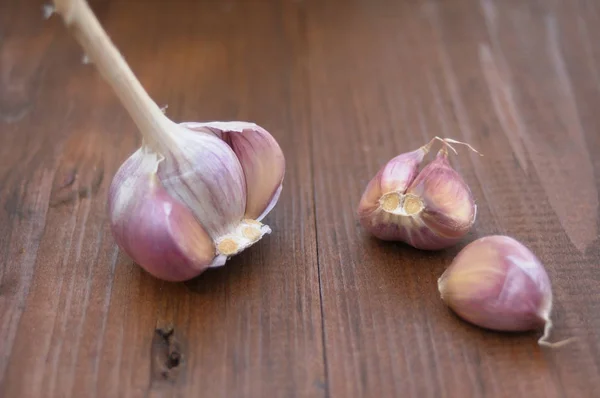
{"x":247,"y":233}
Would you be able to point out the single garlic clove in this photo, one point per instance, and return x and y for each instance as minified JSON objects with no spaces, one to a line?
{"x":155,"y":230}
{"x":398,"y":174}
{"x":444,"y":204}
{"x":497,"y":283}
{"x":203,"y":172}
{"x":261,"y":159}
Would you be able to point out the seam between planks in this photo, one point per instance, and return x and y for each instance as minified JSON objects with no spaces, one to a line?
{"x":303,"y":24}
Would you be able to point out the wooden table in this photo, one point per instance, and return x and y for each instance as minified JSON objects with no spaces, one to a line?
{"x":318,"y":308}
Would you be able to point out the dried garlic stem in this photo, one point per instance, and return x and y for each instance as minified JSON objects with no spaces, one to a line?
{"x":446,"y":144}
{"x":84,"y":25}
{"x":543,"y":341}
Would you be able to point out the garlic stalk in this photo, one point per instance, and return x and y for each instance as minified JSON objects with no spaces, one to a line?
{"x":194,"y":194}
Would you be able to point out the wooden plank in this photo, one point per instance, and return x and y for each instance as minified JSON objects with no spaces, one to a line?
{"x":81,"y":319}
{"x":387,"y":76}
{"x":318,"y":308}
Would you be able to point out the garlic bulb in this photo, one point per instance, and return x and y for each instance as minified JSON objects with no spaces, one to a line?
{"x":497,"y":283}
{"x":194,"y":194}
{"x":431,"y":209}
{"x":192,"y":208}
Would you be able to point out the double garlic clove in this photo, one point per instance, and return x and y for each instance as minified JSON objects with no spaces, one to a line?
{"x":430,"y":210}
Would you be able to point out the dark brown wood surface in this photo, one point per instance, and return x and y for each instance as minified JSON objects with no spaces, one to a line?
{"x":318,"y":308}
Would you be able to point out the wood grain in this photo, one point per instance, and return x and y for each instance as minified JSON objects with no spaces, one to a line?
{"x":318,"y":308}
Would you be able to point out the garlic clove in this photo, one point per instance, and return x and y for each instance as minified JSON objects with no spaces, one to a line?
{"x":399,"y":173}
{"x":385,"y":190}
{"x":203,"y":172}
{"x":443,"y":201}
{"x":155,"y":230}
{"x":261,"y":159}
{"x":497,"y":283}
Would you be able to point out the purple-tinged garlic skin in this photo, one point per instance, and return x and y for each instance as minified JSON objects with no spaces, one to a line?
{"x":154,"y":229}
{"x":448,"y":209}
{"x":497,"y":283}
{"x":201,"y":203}
{"x":202,"y":172}
{"x":429,"y":210}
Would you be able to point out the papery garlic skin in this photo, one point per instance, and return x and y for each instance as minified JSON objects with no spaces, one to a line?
{"x":497,"y":283}
{"x":430,"y":210}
